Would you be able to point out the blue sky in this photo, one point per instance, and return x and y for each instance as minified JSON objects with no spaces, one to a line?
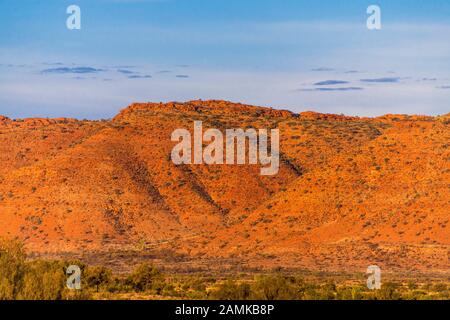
{"x":291,"y":54}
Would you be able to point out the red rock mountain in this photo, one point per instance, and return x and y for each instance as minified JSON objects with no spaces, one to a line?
{"x":350,"y":191}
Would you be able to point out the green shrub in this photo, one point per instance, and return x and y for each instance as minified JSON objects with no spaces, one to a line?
{"x":146,"y":277}
{"x":12,"y":269}
{"x":33,"y":280}
{"x":43,"y":280}
{"x":231,"y":290}
{"x":274,"y":287}
{"x":388,"y":291}
{"x":95,"y":277}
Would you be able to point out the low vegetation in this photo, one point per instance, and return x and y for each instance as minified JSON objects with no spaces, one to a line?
{"x":22,"y":279}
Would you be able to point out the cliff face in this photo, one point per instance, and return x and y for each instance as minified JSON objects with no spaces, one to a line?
{"x":350,"y":191}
